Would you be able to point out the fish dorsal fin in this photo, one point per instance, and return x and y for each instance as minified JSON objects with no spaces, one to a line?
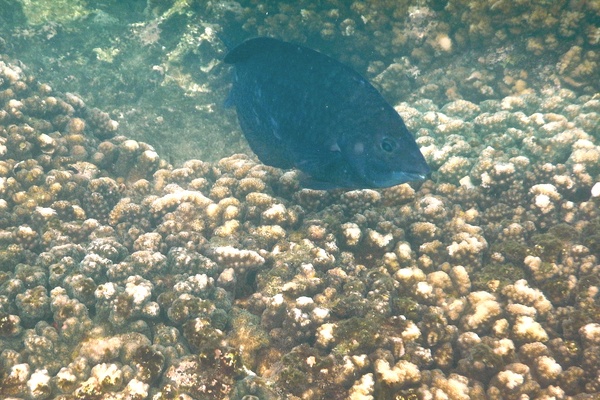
{"x":250,"y":48}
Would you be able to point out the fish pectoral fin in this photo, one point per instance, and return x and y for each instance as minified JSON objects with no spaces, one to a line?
{"x":308,"y":182}
{"x":315,"y":161}
{"x":327,"y":175}
{"x":335,"y":147}
{"x":310,"y":160}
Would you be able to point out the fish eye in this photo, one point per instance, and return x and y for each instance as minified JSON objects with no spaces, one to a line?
{"x":388,"y":145}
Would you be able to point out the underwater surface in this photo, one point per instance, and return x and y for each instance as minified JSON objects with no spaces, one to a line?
{"x":147,"y":253}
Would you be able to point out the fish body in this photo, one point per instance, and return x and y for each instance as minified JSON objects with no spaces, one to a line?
{"x":299,"y":108}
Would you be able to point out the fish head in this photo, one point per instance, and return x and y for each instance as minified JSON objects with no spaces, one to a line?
{"x":386,"y":159}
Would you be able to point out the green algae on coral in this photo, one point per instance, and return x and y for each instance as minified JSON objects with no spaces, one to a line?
{"x":496,"y":276}
{"x":357,"y":335}
{"x":9,"y":325}
{"x":591,"y":236}
{"x":54,"y":11}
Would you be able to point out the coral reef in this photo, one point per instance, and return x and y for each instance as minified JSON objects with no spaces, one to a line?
{"x":123,"y":276}
{"x":230,"y":268}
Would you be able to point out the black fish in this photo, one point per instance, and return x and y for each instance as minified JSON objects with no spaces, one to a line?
{"x":302,"y":109}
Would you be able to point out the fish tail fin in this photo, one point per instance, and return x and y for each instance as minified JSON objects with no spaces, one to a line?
{"x":229,"y":102}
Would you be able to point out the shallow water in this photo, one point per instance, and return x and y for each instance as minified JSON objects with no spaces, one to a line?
{"x":130,"y":268}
